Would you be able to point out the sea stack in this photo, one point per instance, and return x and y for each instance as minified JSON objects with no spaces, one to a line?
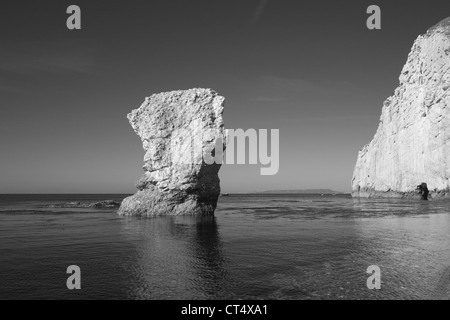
{"x":180,"y":131}
{"x":412,"y":143}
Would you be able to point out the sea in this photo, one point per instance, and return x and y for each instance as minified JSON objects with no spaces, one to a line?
{"x":257,"y":246}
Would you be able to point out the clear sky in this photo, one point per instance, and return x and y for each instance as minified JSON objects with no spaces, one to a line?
{"x":308,"y":68}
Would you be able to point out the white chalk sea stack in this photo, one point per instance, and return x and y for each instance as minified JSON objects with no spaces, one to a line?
{"x":179,"y":131}
{"x":412,"y":143}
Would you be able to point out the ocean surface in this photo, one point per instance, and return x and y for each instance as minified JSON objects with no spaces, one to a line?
{"x":256,"y":247}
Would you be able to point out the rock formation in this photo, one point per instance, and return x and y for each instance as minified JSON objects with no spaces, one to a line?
{"x":78,"y":204}
{"x":422,"y":189}
{"x":412,"y":143}
{"x":179,"y":131}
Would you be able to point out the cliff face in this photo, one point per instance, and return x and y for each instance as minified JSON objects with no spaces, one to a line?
{"x":179,"y":130}
{"x":412,"y":143}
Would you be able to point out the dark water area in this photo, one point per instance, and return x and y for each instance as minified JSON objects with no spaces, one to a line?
{"x":256,"y":247}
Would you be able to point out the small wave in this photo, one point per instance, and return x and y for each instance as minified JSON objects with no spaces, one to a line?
{"x":276,"y":200}
{"x":47,"y":212}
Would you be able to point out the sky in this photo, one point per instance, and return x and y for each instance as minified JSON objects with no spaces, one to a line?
{"x":311,"y":69}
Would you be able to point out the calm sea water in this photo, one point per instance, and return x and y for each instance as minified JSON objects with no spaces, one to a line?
{"x":256,"y":247}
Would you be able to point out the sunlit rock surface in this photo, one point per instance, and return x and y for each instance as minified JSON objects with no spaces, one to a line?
{"x":178,"y":130}
{"x":411,"y":144}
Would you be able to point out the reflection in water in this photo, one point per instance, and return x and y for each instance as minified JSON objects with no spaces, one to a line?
{"x":257,"y":247}
{"x":320,"y":248}
{"x":413,"y":255}
{"x":206,"y":246}
{"x":442,"y":290}
{"x":178,"y":258}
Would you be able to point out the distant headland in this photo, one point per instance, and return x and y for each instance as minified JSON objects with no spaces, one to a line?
{"x":303,"y":191}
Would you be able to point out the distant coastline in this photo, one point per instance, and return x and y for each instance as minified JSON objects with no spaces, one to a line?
{"x":302,"y":191}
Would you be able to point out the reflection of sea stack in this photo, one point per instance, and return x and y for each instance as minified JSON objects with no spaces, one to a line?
{"x":412,"y":143}
{"x":179,"y":131}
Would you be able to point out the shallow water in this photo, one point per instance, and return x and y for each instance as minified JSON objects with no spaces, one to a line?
{"x":256,"y":247}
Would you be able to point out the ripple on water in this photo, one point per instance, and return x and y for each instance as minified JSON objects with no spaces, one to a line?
{"x":266,"y":247}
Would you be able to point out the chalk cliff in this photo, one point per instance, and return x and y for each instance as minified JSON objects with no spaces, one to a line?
{"x":179,"y":131}
{"x":412,"y":143}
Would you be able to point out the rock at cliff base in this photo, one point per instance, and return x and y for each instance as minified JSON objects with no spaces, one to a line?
{"x":412,"y":143}
{"x":179,"y":131}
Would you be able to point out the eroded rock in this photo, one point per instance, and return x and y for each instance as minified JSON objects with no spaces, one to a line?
{"x":179,"y":131}
{"x":412,"y":143}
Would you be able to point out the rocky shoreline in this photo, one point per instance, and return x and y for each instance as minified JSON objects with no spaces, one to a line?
{"x":372,"y":193}
{"x":79,"y":204}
